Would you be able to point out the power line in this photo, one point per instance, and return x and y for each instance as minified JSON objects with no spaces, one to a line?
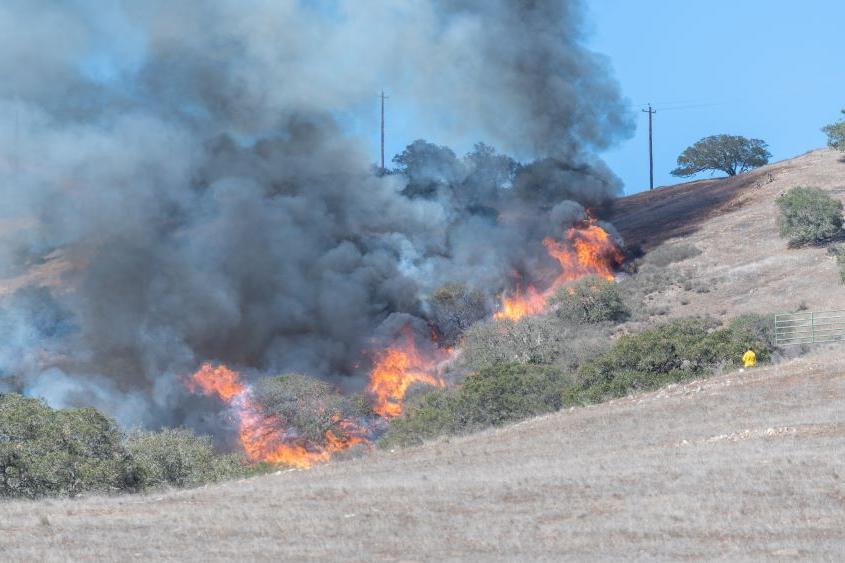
{"x":691,"y":106}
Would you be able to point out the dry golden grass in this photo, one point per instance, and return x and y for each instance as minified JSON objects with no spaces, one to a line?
{"x":745,"y":265}
{"x":741,"y":465}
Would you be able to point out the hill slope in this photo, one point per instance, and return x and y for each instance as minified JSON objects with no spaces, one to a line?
{"x":743,"y":464}
{"x":744,"y":265}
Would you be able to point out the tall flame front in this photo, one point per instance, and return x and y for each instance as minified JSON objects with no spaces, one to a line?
{"x":586,"y":250}
{"x":396,"y":369}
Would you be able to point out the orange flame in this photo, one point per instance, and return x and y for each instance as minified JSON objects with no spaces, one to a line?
{"x":396,"y":369}
{"x":262,"y":436}
{"x":586,"y":250}
{"x":532,"y":302}
{"x":220,"y":381}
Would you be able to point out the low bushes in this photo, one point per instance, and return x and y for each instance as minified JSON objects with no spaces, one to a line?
{"x":59,"y":452}
{"x":809,"y":216}
{"x":67,"y":452}
{"x":675,"y":351}
{"x":589,"y":300}
{"x":179,"y":458}
{"x":506,"y":392}
{"x":308,"y":406}
{"x":533,"y":340}
{"x":494,"y":396}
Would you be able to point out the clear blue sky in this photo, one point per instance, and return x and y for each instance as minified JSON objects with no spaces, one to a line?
{"x":767,"y":69}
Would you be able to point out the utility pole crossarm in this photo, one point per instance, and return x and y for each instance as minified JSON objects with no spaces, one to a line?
{"x":650,"y":111}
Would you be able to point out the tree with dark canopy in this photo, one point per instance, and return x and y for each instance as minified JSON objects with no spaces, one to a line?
{"x":427,"y":167}
{"x":731,"y":154}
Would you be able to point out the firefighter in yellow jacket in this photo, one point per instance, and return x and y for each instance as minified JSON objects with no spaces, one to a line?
{"x":749,"y":359}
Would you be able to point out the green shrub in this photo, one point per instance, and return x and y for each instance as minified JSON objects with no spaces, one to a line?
{"x":675,"y":351}
{"x":808,"y":216}
{"x":44,"y":451}
{"x":503,"y":393}
{"x":509,"y":392}
{"x":427,"y":416}
{"x":180,"y":458}
{"x":308,"y":406}
{"x":590,"y":300}
{"x":494,"y":396}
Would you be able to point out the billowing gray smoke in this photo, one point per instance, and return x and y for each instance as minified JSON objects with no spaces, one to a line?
{"x":192,"y":166}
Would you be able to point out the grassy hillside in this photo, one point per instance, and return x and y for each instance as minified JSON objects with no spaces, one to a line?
{"x":744,"y":265}
{"x":741,"y":464}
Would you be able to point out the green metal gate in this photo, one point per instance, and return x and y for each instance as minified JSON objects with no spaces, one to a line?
{"x":810,"y":327}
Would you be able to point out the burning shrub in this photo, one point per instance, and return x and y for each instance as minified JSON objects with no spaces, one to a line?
{"x":454,"y":308}
{"x":809,"y":216}
{"x":675,"y":351}
{"x":494,"y":396}
{"x":180,"y":458}
{"x":44,"y":451}
{"x":507,"y":392}
{"x":589,"y":300}
{"x":308,"y":407}
{"x":531,"y":340}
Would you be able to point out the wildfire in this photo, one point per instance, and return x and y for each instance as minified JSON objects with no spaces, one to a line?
{"x":263,"y":436}
{"x":396,"y":369}
{"x":520,"y":304}
{"x":586,"y":250}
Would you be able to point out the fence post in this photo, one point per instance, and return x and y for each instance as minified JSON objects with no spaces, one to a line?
{"x":812,"y":327}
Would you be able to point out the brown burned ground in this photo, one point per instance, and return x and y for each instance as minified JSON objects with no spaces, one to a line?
{"x":741,"y":465}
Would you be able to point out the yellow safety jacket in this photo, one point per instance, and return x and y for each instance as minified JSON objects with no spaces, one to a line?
{"x":749,"y":359}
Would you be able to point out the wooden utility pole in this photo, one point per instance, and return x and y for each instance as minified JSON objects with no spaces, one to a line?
{"x":650,"y":113}
{"x":382,"y":96}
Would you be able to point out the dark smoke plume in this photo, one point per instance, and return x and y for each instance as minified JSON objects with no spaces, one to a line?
{"x":178,"y":174}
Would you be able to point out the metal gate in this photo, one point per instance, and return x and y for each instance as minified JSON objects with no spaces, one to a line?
{"x":810,"y":327}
